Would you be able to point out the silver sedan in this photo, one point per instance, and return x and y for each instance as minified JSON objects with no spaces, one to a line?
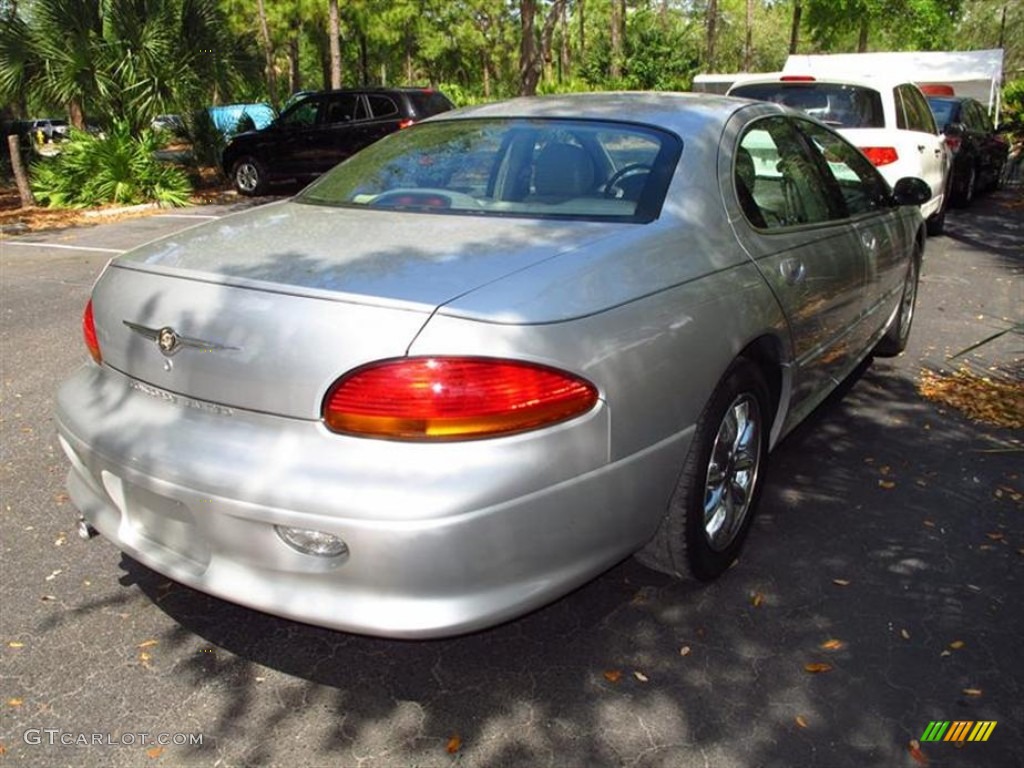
{"x":487,"y":358}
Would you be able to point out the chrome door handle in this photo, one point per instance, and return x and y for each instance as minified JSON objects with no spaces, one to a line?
{"x":793,"y":271}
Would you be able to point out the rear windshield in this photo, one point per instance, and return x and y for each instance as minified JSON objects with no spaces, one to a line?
{"x":841,"y":106}
{"x":573,"y":169}
{"x":943,"y":111}
{"x":427,"y":103}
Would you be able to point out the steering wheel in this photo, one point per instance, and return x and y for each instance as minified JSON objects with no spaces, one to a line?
{"x":623,"y":172}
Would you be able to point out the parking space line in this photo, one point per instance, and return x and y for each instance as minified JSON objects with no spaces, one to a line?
{"x":63,"y":247}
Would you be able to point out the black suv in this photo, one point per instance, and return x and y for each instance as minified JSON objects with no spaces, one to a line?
{"x":979,"y":152}
{"x":319,"y":130}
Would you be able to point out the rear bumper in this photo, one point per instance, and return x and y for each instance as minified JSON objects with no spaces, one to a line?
{"x":442,"y":539}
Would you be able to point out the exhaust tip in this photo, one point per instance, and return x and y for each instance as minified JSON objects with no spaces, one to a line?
{"x":86,"y":531}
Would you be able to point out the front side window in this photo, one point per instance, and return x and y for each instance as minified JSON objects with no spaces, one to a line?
{"x":863,"y":188}
{"x":778,"y":181}
{"x":302,"y":115}
{"x":545,"y":168}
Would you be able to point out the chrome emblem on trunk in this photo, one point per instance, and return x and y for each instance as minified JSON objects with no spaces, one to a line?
{"x":169,"y":341}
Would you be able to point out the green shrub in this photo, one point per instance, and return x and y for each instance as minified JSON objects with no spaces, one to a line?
{"x":118,"y":167}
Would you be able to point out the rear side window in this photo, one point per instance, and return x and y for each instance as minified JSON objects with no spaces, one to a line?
{"x":918,"y":114}
{"x":344,"y":108}
{"x":427,"y":103}
{"x":835,"y":104}
{"x":382,"y":106}
{"x":943,"y":110}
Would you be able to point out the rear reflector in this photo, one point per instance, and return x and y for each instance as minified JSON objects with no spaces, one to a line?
{"x":797,"y":79}
{"x":89,"y":332}
{"x":953,"y":142}
{"x":453,"y":398}
{"x":406,"y":123}
{"x":880,"y":155}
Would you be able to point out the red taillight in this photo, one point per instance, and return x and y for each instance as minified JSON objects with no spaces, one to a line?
{"x":406,"y":123}
{"x":453,"y":398}
{"x":797,"y":79}
{"x":89,"y":331}
{"x":880,"y":155}
{"x":953,"y":142}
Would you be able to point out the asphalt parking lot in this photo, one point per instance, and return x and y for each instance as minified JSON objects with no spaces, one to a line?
{"x":880,"y":590}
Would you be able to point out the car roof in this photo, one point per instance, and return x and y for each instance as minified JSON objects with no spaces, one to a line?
{"x":680,"y":112}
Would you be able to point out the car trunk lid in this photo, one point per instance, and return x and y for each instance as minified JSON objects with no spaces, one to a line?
{"x":264,"y":310}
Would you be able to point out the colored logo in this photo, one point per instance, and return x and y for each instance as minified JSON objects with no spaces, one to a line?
{"x":958,"y":730}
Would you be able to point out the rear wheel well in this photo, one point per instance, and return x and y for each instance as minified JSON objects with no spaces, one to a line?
{"x":766,"y":353}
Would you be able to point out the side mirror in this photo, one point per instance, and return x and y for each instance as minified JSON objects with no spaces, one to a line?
{"x":911,"y":191}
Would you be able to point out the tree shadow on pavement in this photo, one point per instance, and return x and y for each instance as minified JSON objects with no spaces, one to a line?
{"x":879,"y":529}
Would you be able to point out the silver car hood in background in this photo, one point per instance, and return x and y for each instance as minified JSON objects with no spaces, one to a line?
{"x":381,"y":257}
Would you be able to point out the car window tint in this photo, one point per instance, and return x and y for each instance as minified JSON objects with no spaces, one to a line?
{"x":836,"y":104}
{"x":382,"y":106}
{"x":781,"y":184}
{"x":547,"y":168}
{"x":343,"y":108}
{"x":943,"y":111}
{"x":902,"y":121}
{"x":919,"y":116}
{"x":427,"y":103}
{"x":863,"y":188}
{"x":301,"y":115}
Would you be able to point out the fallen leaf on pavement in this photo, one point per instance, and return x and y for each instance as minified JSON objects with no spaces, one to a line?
{"x":832,"y":645}
{"x":613,"y":675}
{"x":995,"y":536}
{"x":956,"y":645}
{"x":684,"y":651}
{"x":640,"y":676}
{"x":801,"y":721}
{"x":930,"y":523}
{"x":841,"y":582}
{"x":149,"y":643}
{"x":972,"y":691}
{"x":991,"y":399}
{"x":154,"y":752}
{"x":886,"y":485}
{"x":904,"y":634}
{"x":15,"y":644}
{"x":454,"y":744}
{"x":756,"y":599}
{"x":817,"y":667}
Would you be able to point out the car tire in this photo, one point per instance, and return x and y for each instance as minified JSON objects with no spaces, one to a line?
{"x":970,"y":188}
{"x":712,"y":507}
{"x":895,"y":339}
{"x":249,"y":176}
